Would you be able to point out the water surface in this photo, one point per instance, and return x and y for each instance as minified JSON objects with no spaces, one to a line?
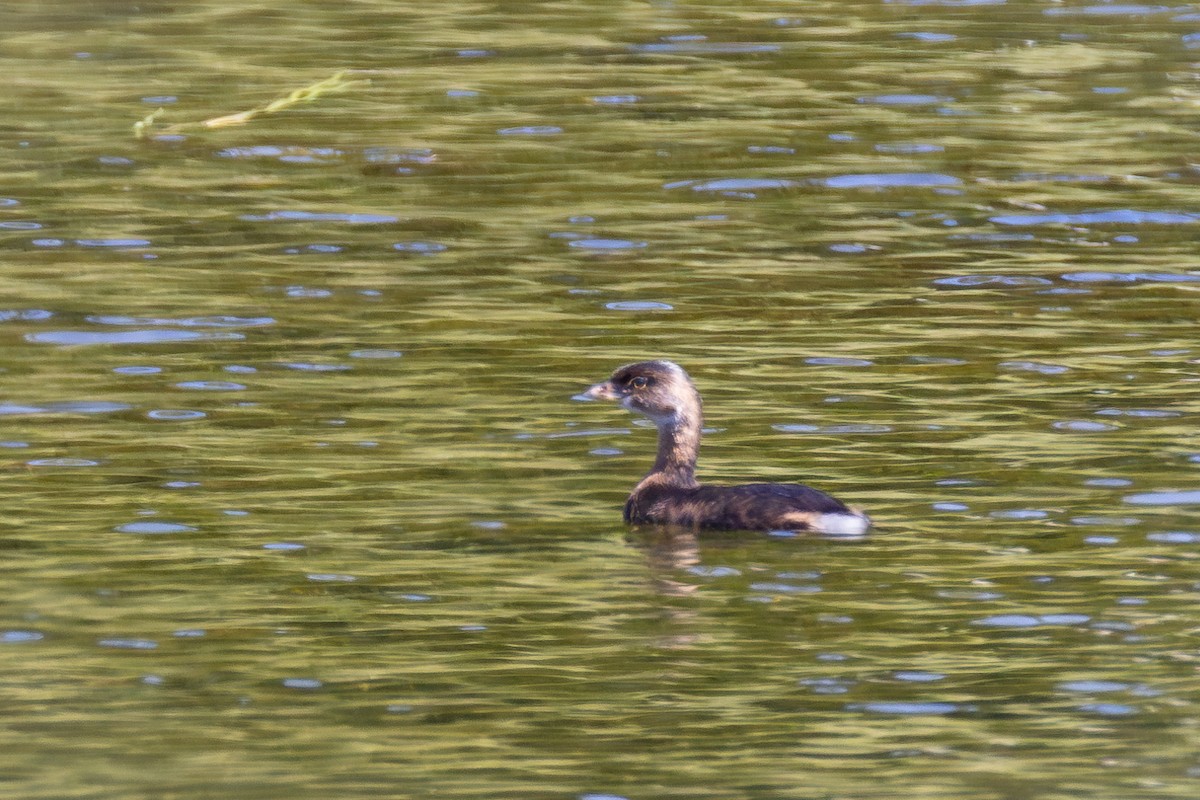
{"x":297,"y":502}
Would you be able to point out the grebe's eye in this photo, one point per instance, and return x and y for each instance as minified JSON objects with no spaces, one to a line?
{"x":639,"y":382}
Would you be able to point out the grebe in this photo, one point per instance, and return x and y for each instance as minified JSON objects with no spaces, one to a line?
{"x":670,"y":494}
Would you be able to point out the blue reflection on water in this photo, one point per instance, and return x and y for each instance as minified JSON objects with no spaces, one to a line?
{"x":25,"y":314}
{"x":1108,"y":709}
{"x":531,"y":130}
{"x":638,"y":305}
{"x":315,"y":216}
{"x":606,"y":244}
{"x":732,"y":184}
{"x":698,"y":45}
{"x":890,"y":179}
{"x":1165,"y":498}
{"x":1030,"y":621}
{"x":421,"y":248}
{"x":117,"y":243}
{"x":129,"y":644}
{"x":154,"y":528}
{"x":212,"y":386}
{"x":175,"y":415}
{"x":923,"y":36}
{"x":1093,"y":686}
{"x":213,"y":321}
{"x":1174,"y":537}
{"x":150,"y":336}
{"x":987,"y":281}
{"x":1123,"y":216}
{"x":905,"y":99}
{"x":907,"y":708}
{"x":64,"y":407}
{"x":1130,"y":10}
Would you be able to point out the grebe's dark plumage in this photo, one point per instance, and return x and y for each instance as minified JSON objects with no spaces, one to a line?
{"x":670,"y":494}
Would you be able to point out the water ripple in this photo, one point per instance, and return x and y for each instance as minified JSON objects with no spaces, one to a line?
{"x":64,"y":407}
{"x":1138,"y":412}
{"x":376,"y":353}
{"x":909,"y":148}
{"x":1082,"y":426}
{"x":733,"y":184}
{"x":1129,"y":10}
{"x":838,"y":361}
{"x":1034,"y":366}
{"x":303,"y":366}
{"x":129,"y":644}
{"x":307,"y":291}
{"x":1019,"y":514}
{"x":861,"y":427}
{"x":1029,"y":621}
{"x":25,"y":315}
{"x":924,"y":36}
{"x":291,"y":154}
{"x":212,"y":386}
{"x":827,"y":685}
{"x":1130,"y":277}
{"x":1108,"y":709}
{"x":420,"y":248}
{"x":784,"y":588}
{"x":714,"y":572}
{"x":987,"y":281}
{"x":214,"y":321}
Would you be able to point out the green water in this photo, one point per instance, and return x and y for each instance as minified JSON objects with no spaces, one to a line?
{"x":296,"y":502}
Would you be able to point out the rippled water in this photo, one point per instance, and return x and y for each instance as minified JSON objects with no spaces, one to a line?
{"x":297,"y":502}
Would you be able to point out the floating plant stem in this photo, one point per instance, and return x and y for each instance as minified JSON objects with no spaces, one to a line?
{"x":142,"y":125}
{"x":337,"y":82}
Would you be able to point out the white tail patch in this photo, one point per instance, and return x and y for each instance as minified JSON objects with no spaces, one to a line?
{"x":840,"y":524}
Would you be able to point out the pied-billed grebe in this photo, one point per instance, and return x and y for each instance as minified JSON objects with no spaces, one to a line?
{"x":670,"y":494}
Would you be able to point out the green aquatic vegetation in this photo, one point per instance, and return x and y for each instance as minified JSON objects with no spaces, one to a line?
{"x":338,"y":82}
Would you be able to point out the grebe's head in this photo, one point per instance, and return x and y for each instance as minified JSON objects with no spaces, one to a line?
{"x":659,"y":389}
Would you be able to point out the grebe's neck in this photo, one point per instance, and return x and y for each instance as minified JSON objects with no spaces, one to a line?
{"x":678,"y":448}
